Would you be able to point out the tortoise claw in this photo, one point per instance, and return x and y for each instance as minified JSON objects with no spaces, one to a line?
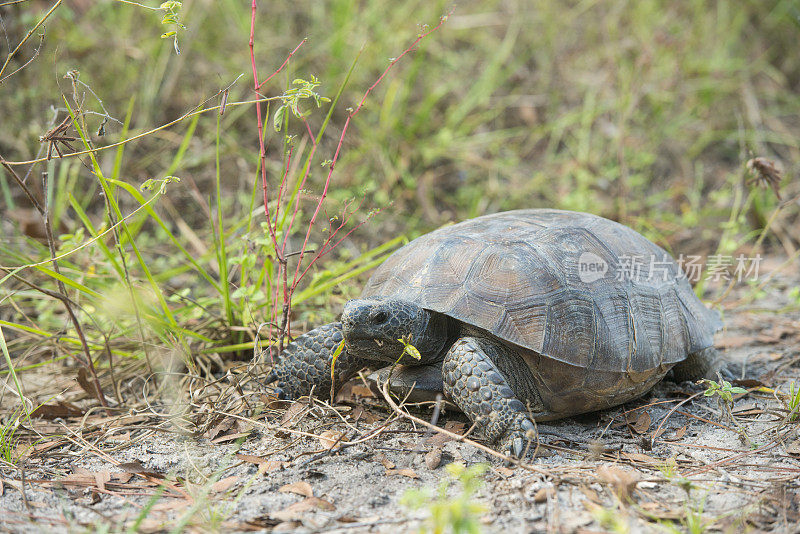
{"x":517,"y":447}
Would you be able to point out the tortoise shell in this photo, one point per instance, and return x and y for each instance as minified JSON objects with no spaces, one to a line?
{"x":572,"y":287}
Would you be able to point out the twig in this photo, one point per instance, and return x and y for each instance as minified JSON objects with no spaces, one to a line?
{"x":62,"y":296}
{"x":458,"y":437}
{"x":31,"y":60}
{"x":197,"y":110}
{"x":25,"y":39}
{"x":674,"y":408}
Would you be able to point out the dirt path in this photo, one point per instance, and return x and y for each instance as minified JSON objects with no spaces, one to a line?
{"x":663,"y":463}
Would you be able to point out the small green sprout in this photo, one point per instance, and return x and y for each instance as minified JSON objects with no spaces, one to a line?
{"x":408,"y":348}
{"x":456,"y":514}
{"x":793,"y":401}
{"x":8,"y":441}
{"x":724,"y":389}
{"x":336,"y":353}
{"x":611,"y":519}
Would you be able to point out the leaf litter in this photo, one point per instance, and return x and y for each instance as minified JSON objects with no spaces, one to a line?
{"x":212,"y":446}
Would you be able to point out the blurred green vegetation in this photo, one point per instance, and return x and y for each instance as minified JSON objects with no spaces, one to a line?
{"x":644,"y":112}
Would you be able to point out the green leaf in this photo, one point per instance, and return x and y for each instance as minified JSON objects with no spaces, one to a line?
{"x":412,"y":351}
{"x":335,"y":356}
{"x":277,"y":120}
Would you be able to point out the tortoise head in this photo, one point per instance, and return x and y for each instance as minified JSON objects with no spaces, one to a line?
{"x":372,"y":328}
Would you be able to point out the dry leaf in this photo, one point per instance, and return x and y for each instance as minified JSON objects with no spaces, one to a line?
{"x":407,"y":472}
{"x":264,"y":465}
{"x":357,"y":413}
{"x":300,"y":487}
{"x":590,"y":494}
{"x":295,"y":511}
{"x":330,"y":439}
{"x":220,"y":428}
{"x":122,"y":478}
{"x":362,"y":391}
{"x":223,"y":485}
{"x":345,"y":393}
{"x":78,"y":479}
{"x":86,"y":385}
{"x":642,"y":423}
{"x":53,"y":411}
{"x":294,"y":410}
{"x":251,"y":459}
{"x":504,"y":472}
{"x":622,"y":481}
{"x":137,"y":468}
{"x":100,"y":478}
{"x":171,"y":504}
{"x":793,"y":448}
{"x":272,"y":402}
{"x":543,"y":494}
{"x":456,"y":427}
{"x":322,"y":504}
{"x":270,"y":465}
{"x":385,"y":461}
{"x":433,"y":458}
{"x":439,"y":439}
{"x":231,"y":437}
{"x":370,"y":417}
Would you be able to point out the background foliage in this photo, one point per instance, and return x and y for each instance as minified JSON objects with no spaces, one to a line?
{"x":644,"y":112}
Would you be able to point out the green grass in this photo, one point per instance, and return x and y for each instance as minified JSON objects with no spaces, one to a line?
{"x":643,"y":112}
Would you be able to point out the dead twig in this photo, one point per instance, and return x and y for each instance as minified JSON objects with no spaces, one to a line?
{"x":459,"y":437}
{"x":25,"y":39}
{"x":61,"y":295}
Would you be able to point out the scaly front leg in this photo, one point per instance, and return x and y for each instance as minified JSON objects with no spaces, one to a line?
{"x":305,"y":364}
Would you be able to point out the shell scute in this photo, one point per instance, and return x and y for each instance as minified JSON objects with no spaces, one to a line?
{"x":518,"y":276}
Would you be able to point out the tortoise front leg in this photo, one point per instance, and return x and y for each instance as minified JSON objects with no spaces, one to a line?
{"x":305,"y":364}
{"x":476,"y":385}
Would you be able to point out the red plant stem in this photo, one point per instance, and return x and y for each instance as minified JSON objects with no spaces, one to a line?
{"x":260,"y":122}
{"x":323,"y":250}
{"x":419,"y":38}
{"x":286,"y":61}
{"x":280,"y":252}
{"x":281,"y":259}
{"x":282,"y":188}
{"x":310,"y":133}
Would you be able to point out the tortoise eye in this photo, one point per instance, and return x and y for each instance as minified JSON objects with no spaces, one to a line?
{"x":380,"y":317}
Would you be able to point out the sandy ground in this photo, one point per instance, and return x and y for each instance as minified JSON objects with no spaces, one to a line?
{"x":669,"y":462}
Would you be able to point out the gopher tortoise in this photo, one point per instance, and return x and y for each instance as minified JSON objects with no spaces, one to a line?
{"x":530,"y":314}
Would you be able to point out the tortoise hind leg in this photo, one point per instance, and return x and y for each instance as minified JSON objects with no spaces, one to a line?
{"x":474,"y":382}
{"x":701,"y":364}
